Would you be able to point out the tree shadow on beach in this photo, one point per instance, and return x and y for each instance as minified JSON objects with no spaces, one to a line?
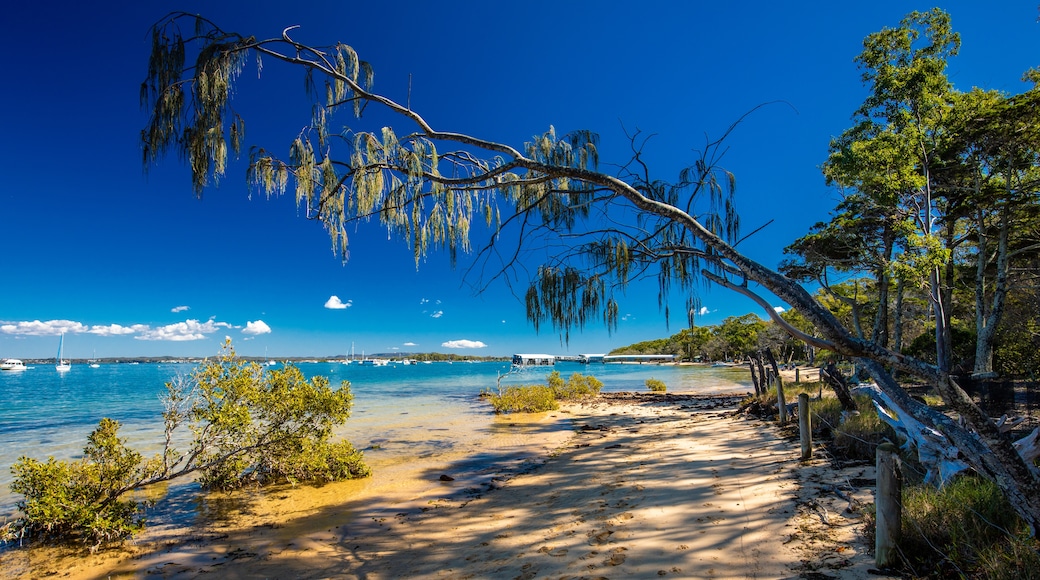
{"x":662,"y":487}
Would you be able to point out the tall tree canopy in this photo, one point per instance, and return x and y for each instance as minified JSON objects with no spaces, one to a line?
{"x":597,"y":231}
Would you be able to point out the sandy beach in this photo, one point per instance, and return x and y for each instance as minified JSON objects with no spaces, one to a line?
{"x":645,"y":486}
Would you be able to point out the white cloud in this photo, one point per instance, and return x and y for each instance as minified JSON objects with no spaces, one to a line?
{"x":47,"y":328}
{"x":179,"y":331}
{"x":182,"y":331}
{"x":255,"y":328}
{"x":410,"y":344}
{"x":778,"y":309}
{"x":117,"y":329}
{"x":463,"y":344}
{"x":423,"y":301}
{"x":703,"y":311}
{"x":437,"y":314}
{"x":176,"y":309}
{"x":334,"y":303}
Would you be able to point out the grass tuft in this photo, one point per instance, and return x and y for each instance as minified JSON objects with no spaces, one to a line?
{"x":966,"y":529}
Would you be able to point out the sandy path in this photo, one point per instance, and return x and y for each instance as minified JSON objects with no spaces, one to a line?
{"x":649,"y":487}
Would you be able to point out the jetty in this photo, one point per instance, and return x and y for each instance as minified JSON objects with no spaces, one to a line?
{"x":534,"y":360}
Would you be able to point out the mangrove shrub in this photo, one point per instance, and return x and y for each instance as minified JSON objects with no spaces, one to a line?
{"x":247,"y":425}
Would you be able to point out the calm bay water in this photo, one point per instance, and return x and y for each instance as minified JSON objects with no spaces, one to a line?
{"x":401,"y":412}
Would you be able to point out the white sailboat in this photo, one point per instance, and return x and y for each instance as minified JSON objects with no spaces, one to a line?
{"x":93,"y":362}
{"x":61,"y":365}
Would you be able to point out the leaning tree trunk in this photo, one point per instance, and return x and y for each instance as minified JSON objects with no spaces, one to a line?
{"x":987,"y":450}
{"x":993,"y":452}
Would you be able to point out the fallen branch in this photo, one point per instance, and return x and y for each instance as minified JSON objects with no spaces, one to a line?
{"x":939,"y":457}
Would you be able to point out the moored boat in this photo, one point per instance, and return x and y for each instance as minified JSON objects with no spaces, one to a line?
{"x":60,"y":364}
{"x":12,"y":364}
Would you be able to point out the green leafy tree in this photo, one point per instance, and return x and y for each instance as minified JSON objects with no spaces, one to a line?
{"x":775,"y":338}
{"x":432,"y":187}
{"x":991,"y":179}
{"x":693,"y":341}
{"x":688,"y":343}
{"x":1018,"y":345}
{"x":936,"y":184}
{"x":248,"y":425}
{"x":889,"y":156}
{"x":738,"y":335}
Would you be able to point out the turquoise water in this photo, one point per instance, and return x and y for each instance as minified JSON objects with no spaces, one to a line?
{"x":400,"y":411}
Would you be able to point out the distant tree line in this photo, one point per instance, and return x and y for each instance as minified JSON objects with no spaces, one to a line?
{"x":735,"y":338}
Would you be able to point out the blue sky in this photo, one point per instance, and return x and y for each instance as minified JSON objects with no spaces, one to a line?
{"x":131,"y":264}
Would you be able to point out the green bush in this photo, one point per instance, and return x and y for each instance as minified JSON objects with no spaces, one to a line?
{"x":578,"y":386}
{"x":75,"y":500}
{"x":248,"y":425}
{"x":539,"y":398}
{"x":854,"y":435}
{"x":656,"y":385}
{"x":293,"y":416}
{"x":523,"y":399}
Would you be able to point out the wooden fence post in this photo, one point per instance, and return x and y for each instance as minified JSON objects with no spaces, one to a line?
{"x":805,"y":426}
{"x":781,"y":402}
{"x":888,"y":502}
{"x":754,"y":377}
{"x":797,"y":375}
{"x":762,"y":376}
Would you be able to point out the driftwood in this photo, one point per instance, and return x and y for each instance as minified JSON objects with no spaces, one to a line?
{"x":1029,"y":446}
{"x":941,"y":459}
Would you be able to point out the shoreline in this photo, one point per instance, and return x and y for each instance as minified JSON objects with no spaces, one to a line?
{"x":646,"y":485}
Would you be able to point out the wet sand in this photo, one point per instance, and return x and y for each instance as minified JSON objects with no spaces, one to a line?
{"x":644,"y":486}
